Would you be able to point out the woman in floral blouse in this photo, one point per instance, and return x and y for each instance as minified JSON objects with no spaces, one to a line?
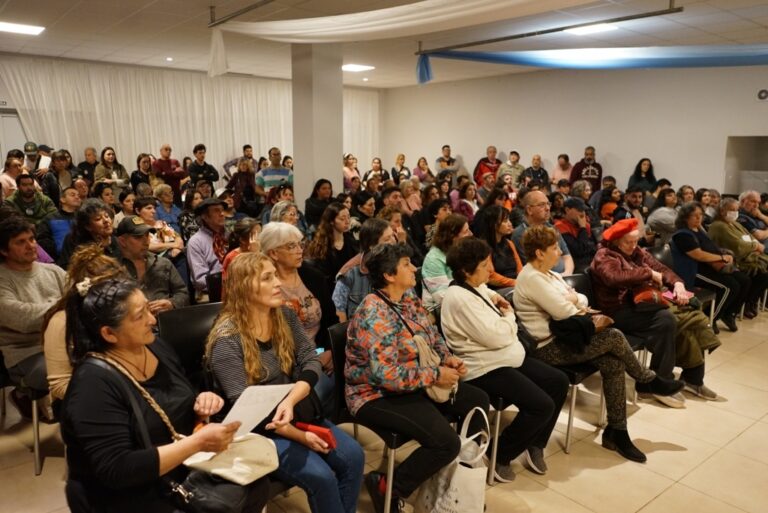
{"x":385,"y":383}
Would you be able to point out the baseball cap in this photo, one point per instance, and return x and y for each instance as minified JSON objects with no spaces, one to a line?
{"x":45,"y":148}
{"x":576,"y":203}
{"x":134,"y":226}
{"x":30,"y":147}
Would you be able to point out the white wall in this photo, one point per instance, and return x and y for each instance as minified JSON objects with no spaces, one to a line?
{"x":681,"y":119}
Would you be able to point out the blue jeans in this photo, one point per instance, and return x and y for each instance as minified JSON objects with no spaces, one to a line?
{"x":332,"y":481}
{"x":325,"y":390}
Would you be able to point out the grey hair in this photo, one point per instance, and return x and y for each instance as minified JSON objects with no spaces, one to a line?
{"x":276,"y":234}
{"x":723,"y":206}
{"x":744,"y":195}
{"x":578,"y":188}
{"x":160,"y":189}
{"x":280,"y":208}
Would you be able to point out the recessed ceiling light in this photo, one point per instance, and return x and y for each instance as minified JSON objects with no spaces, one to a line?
{"x":365,"y":79}
{"x":16,"y":28}
{"x":169,"y":59}
{"x":591,"y":29}
{"x":357,"y":68}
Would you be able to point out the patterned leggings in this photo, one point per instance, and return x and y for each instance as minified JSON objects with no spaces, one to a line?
{"x":610,"y":352}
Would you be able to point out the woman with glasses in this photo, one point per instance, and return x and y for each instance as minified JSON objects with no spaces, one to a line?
{"x":305,"y":291}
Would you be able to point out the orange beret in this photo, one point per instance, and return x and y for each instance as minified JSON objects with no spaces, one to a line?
{"x":620,"y":229}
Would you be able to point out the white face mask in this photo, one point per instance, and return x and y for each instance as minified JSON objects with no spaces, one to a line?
{"x":732,"y":216}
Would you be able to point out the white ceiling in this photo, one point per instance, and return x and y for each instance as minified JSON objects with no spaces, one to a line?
{"x":145,"y":32}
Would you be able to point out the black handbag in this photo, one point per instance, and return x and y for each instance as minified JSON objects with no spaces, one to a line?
{"x":200,"y":492}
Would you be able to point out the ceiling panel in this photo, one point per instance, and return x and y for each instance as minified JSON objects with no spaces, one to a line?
{"x":146,"y":31}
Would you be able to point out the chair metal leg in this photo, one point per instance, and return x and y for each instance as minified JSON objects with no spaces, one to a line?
{"x":602,"y":421}
{"x":390,"y":478}
{"x":712,"y":313}
{"x":36,"y":437}
{"x":354,"y":429}
{"x":741,"y":313}
{"x":494,"y":451}
{"x":574,"y":391}
{"x":2,"y":402}
{"x":765,"y":300}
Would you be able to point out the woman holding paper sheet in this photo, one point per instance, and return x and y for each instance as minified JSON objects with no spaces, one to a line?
{"x":110,"y":470}
{"x":258,"y":341}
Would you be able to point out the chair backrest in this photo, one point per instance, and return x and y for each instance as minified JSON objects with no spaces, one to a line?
{"x":583,"y":285}
{"x":213,"y":283}
{"x":338,"y":338}
{"x":419,"y":287}
{"x":664,"y":255}
{"x":186,"y":330}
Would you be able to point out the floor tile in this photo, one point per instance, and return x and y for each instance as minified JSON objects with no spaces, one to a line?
{"x":21,"y":490}
{"x":736,"y":398}
{"x":680,"y":498}
{"x":733,"y":479}
{"x":752,"y":443}
{"x":525,"y":495}
{"x":583,"y":475}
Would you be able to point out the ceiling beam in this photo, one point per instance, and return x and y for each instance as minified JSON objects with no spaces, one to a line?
{"x":214,"y":22}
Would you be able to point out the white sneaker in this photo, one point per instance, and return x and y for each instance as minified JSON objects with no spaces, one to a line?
{"x":673,"y":401}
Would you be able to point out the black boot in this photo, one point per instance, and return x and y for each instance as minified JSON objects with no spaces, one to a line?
{"x":730,"y":322}
{"x":660,"y":386}
{"x":618,"y":440}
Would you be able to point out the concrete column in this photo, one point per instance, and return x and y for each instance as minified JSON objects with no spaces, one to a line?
{"x":317,"y":117}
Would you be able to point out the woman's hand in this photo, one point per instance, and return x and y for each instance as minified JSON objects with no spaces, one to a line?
{"x":572,"y":296}
{"x":207,"y":404}
{"x":657,"y":277}
{"x":283,"y":414}
{"x":681,"y":295}
{"x":728,"y":259}
{"x":215,"y":437}
{"x":501,"y":303}
{"x":448,"y":377}
{"x":457,"y":363}
{"x":326,"y":360}
{"x":315,"y":443}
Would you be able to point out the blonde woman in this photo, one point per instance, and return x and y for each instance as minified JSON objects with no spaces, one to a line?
{"x":258,"y":341}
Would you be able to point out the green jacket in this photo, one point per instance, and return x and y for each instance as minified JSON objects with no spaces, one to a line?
{"x":735,"y":237}
{"x":39,"y":209}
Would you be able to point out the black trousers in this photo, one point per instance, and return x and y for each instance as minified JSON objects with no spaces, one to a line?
{"x":657,"y":329}
{"x":418,"y":417}
{"x":731,"y":289}
{"x":539,"y":391}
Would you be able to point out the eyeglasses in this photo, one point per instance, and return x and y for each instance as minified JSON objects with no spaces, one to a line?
{"x":293,"y":246}
{"x":542,"y":204}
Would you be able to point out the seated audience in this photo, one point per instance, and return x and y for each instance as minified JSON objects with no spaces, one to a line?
{"x":608,"y":182}
{"x":376,"y":170}
{"x":423,"y":173}
{"x":163,"y":241}
{"x":107,"y":462}
{"x":536,"y":207}
{"x":751,"y":218}
{"x":467,"y":204}
{"x":165,"y":210}
{"x":748,"y":254}
{"x":28,"y":289}
{"x":208,"y":246}
{"x":353,"y":283}
{"x":29,"y":202}
{"x":245,"y":193}
{"x":318,"y":201}
{"x":400,"y":172}
{"x":685,"y":194}
{"x":258,"y":341}
{"x":663,"y":215}
{"x":350,"y":170}
{"x":288,"y":212}
{"x":90,"y":262}
{"x":621,"y":270}
{"x":110,"y":171}
{"x":582,"y":190}
{"x":93,"y":224}
{"x":610,"y":199}
{"x":643,"y":176}
{"x":701,"y":262}
{"x":650,"y":197}
{"x":576,"y":231}
{"x":704,"y":197}
{"x":363,"y":208}
{"x":125,"y":200}
{"x":495,"y":229}
{"x":187,"y":218}
{"x":161,"y":283}
{"x":535,"y":173}
{"x":332,"y":245}
{"x":11,"y":171}
{"x":145,"y":173}
{"x":561,"y":174}
{"x":54,"y":228}
{"x":435,"y":272}
{"x":557,"y":317}
{"x":105,"y":192}
{"x":633,"y":208}
{"x":480,"y":327}
{"x":280,"y":192}
{"x":231,"y":216}
{"x":243,"y":239}
{"x":512,"y":167}
{"x":395,"y":218}
{"x":436,"y":212}
{"x":385,"y":383}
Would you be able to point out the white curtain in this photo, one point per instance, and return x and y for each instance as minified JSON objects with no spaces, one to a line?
{"x":72,"y":105}
{"x":361,"y":109}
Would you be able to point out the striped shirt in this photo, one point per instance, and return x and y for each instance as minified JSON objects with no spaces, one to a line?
{"x":272,"y":177}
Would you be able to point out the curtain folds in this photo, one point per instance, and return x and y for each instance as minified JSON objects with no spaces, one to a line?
{"x":72,"y":105}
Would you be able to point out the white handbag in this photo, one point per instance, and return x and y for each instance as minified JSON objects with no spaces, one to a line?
{"x":459,"y":487}
{"x":247,"y":458}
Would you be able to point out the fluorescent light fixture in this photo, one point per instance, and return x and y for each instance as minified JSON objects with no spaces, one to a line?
{"x":357,"y":68}
{"x":591,"y":29}
{"x":169,"y":59}
{"x":16,"y":28}
{"x":365,"y":79}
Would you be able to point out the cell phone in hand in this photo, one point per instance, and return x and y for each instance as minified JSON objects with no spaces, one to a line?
{"x":325,"y":434}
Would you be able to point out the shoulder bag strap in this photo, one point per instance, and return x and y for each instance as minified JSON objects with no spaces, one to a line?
{"x":478,"y":294}
{"x":392,"y":307}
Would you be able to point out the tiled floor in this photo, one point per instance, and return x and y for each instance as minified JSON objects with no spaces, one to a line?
{"x":711,"y":457}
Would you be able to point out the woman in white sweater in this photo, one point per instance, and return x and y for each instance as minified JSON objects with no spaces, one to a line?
{"x":542,"y":296}
{"x":480,"y":327}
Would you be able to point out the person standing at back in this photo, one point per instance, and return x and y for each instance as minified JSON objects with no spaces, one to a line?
{"x":588,"y":169}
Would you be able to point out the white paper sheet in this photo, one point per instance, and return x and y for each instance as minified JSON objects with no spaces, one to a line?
{"x":254,"y":404}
